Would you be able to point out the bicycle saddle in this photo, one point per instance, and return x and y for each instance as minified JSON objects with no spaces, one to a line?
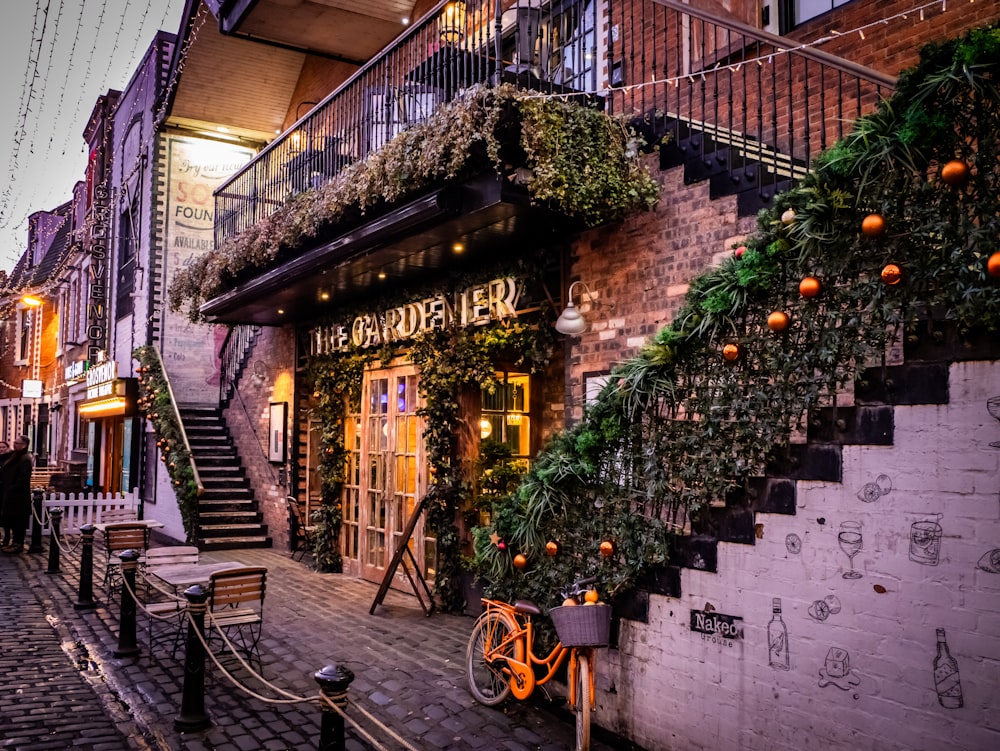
{"x":527,"y":607}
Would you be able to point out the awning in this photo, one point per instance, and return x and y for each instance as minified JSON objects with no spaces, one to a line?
{"x":455,"y":228}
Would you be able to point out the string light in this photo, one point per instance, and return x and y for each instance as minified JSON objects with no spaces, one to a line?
{"x":760,"y":59}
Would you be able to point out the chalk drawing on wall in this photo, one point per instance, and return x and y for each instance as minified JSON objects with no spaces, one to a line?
{"x":925,"y":541}
{"x":990,"y":562}
{"x":947,"y":681}
{"x":993,"y":407}
{"x":872,"y":491}
{"x":820,"y":610}
{"x":837,"y":671}
{"x":793,"y":543}
{"x":850,"y":541}
{"x":777,"y":638}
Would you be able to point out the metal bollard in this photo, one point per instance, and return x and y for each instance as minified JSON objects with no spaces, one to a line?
{"x":333,"y":681}
{"x":36,"y":525}
{"x":192,"y":716}
{"x":85,"y":595}
{"x":127,"y":645}
{"x":55,"y":519}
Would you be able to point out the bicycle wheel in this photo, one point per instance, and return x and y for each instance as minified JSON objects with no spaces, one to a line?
{"x":487,"y":682}
{"x":582,"y":708}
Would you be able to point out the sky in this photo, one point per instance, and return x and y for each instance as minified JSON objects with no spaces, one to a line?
{"x":58,"y":57}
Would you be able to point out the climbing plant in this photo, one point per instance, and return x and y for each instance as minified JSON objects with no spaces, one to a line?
{"x":896,"y":225}
{"x":157,"y":406}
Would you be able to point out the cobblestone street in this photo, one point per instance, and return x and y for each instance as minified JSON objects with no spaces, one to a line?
{"x":64,"y":689}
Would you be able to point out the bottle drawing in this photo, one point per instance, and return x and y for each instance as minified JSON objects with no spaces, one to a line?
{"x":946,"y":678}
{"x":777,"y":638}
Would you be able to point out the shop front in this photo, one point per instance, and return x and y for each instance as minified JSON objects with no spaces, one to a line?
{"x":110,"y":419}
{"x":389,"y":420}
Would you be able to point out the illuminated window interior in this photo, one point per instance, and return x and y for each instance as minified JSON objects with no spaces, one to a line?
{"x":505,"y":417}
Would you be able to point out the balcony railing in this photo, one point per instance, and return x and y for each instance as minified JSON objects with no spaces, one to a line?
{"x":760,"y":103}
{"x":756,"y":105}
{"x":542,"y":44}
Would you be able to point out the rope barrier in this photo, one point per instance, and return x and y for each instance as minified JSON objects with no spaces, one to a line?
{"x":290,"y":697}
{"x":62,"y":535}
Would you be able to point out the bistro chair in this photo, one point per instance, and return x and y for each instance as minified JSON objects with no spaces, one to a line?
{"x":172,"y":610}
{"x":117,"y":538}
{"x":300,"y":534}
{"x":236,"y":608}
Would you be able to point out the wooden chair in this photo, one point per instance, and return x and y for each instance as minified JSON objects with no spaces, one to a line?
{"x":300,"y":534}
{"x":236,"y":608}
{"x":170,"y":611}
{"x":117,"y":538}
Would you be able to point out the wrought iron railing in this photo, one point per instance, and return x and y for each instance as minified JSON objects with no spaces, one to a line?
{"x":722,"y":88}
{"x":732,"y":92}
{"x":549,"y":45}
{"x":233,"y":356}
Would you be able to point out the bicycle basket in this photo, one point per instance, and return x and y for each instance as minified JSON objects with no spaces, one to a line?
{"x":582,"y":625}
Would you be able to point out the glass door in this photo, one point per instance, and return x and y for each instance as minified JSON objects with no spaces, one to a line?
{"x":387,"y":473}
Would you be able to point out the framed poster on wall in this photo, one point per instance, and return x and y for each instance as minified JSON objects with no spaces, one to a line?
{"x":278,"y":416}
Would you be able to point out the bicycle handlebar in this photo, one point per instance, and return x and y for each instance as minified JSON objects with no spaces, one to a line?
{"x":577,"y":588}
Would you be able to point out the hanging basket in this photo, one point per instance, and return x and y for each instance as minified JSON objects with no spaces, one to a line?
{"x":582,"y":625}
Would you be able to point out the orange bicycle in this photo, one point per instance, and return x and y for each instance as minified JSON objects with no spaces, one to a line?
{"x":500,"y":659}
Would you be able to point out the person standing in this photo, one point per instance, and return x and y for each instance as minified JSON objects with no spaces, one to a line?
{"x":4,"y":451}
{"x":15,"y":487}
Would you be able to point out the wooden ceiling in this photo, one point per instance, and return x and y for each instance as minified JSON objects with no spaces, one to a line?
{"x":245,"y":77}
{"x":350,"y":30}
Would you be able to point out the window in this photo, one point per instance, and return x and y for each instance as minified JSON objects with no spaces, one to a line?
{"x":23,"y":343}
{"x":556,"y":43}
{"x":796,"y":12}
{"x":128,"y":236}
{"x":505,"y":417}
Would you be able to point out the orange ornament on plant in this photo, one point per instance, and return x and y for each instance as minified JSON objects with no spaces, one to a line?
{"x":731,"y":352}
{"x":520,"y":561}
{"x":892,"y":274}
{"x":552,"y":548}
{"x":777,"y":321}
{"x":809,"y":287}
{"x":607,"y":548}
{"x":873,"y":225}
{"x":956,"y":172}
{"x":993,"y":264}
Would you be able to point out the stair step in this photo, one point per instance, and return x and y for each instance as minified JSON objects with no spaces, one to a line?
{"x":230,"y":517}
{"x":234,"y":543}
{"x":231,"y":529}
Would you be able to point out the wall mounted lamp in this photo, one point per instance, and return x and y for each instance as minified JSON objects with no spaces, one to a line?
{"x":571,"y":321}
{"x":31,"y":301}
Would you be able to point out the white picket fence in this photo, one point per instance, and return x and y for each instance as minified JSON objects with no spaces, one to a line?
{"x":89,"y":508}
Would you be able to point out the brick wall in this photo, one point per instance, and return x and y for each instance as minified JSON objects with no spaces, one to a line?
{"x":247,"y":419}
{"x":861,"y":664}
{"x":638,"y":272}
{"x":894,"y":46}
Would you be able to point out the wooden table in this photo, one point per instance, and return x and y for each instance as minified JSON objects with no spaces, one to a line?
{"x":148,"y":523}
{"x":185,"y":574}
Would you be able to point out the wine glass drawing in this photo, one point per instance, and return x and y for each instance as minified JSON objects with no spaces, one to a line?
{"x":850,"y":541}
{"x":993,"y":407}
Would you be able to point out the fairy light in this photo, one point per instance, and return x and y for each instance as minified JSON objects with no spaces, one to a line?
{"x":760,"y":59}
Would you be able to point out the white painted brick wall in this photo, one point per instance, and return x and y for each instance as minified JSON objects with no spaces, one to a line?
{"x":669,"y":688}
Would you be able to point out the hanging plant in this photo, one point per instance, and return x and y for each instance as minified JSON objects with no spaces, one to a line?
{"x":574,"y":159}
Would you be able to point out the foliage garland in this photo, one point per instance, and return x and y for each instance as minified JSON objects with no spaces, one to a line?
{"x":159,"y":409}
{"x":680,"y":427}
{"x":573,"y":158}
